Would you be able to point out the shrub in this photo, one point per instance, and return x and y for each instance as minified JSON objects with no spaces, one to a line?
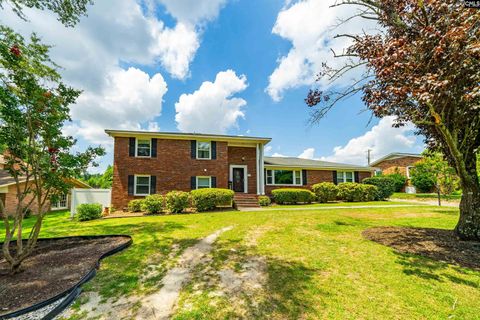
{"x":292,"y":196}
{"x":177,"y":201}
{"x":325,"y":191}
{"x":89,"y":211}
{"x":424,"y":182}
{"x":385,"y":185}
{"x":356,"y":192}
{"x":153,"y":204}
{"x":264,"y":201}
{"x":135,"y":205}
{"x":399,"y":181}
{"x":210,"y":198}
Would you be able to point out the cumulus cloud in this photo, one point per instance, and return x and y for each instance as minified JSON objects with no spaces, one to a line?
{"x":382,"y":139}
{"x":194,"y":11}
{"x":308,"y":153}
{"x":267,"y":149}
{"x":129,"y":98}
{"x":310,"y":26}
{"x":212,"y":108}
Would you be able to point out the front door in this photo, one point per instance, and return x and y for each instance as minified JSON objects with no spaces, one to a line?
{"x":238,"y":179}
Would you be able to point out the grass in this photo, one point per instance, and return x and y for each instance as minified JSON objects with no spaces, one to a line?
{"x":336,"y":204}
{"x":318,"y":266}
{"x":425,"y":196}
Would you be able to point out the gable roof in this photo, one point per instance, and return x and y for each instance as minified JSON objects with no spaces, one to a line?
{"x":6,"y":180}
{"x":186,"y":136}
{"x":395,"y":155}
{"x":311,"y":164}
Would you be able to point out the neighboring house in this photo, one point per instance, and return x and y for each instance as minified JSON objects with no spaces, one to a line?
{"x":397,"y":162}
{"x":157,"y":162}
{"x":8,"y":192}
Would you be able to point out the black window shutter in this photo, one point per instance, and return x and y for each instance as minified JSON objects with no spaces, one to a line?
{"x":153,"y":184}
{"x":304,"y":177}
{"x":131,"y":185}
{"x":131,"y":147}
{"x":194,"y":149}
{"x":214,"y":182}
{"x":214,"y":150}
{"x":356,"y":175}
{"x":154,"y":147}
{"x":335,"y":177}
{"x":193,"y":183}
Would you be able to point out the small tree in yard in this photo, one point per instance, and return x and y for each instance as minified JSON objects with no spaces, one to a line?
{"x":33,"y":108}
{"x":434,"y":172}
{"x":422,"y":67}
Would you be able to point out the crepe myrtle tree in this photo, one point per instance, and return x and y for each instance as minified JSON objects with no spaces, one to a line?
{"x":33,"y":108}
{"x":68,"y":11}
{"x":421,"y":66}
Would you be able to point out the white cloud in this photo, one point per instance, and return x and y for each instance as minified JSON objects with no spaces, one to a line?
{"x":279,"y":155}
{"x":131,"y":97}
{"x":212,"y":108}
{"x":308,"y":153}
{"x":382,"y":139}
{"x":267,"y":149}
{"x":309,"y":26}
{"x":194,"y":11}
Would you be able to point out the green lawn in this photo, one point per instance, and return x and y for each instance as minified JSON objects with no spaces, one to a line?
{"x":337,"y":204}
{"x":424,"y":196}
{"x":317,"y":264}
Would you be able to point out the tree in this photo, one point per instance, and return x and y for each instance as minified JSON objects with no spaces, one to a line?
{"x":33,"y":108}
{"x":103,"y":181}
{"x":68,"y":11}
{"x":423,"y":67}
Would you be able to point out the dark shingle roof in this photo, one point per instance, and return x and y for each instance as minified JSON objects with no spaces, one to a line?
{"x":313,"y":164}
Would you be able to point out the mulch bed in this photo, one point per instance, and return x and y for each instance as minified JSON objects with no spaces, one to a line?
{"x":437,"y":244}
{"x":55,"y":266}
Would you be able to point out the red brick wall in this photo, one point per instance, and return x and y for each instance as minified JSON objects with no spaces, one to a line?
{"x":10,"y":200}
{"x":249,"y":154}
{"x":173,"y":168}
{"x":316,"y":176}
{"x":390,"y":166}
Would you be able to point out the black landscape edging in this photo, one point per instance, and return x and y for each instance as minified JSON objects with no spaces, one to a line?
{"x":75,"y":290}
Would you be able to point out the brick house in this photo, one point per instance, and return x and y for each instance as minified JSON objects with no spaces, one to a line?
{"x":157,"y":162}
{"x":397,"y":162}
{"x":8,"y":192}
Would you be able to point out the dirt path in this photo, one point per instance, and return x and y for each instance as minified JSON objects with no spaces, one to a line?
{"x":445,"y":203}
{"x":160,"y":304}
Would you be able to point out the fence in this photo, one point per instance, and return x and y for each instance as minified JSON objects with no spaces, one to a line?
{"x":81,"y":196}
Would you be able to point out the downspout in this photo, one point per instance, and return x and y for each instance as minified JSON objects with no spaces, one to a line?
{"x":257,"y":167}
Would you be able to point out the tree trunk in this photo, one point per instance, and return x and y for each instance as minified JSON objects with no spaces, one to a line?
{"x":468,"y":226}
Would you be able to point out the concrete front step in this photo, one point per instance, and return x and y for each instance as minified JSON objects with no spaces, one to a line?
{"x":246,"y":200}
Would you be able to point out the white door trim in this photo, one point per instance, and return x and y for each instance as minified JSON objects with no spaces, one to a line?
{"x":245,"y":175}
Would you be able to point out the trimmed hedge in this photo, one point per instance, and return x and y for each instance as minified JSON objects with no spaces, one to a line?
{"x":325,"y":191}
{"x":177,"y":201}
{"x":357,"y":192}
{"x":89,"y":211}
{"x":264,"y":201}
{"x":292,"y":196}
{"x":135,"y":205}
{"x":385,"y":185}
{"x":209,"y":198}
{"x":153,"y":204}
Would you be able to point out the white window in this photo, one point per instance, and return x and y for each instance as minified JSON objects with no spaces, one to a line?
{"x":345,"y":176}
{"x":204,"y":182}
{"x":142,"y":185}
{"x":62,"y":203}
{"x":284,"y":177}
{"x":144,"y":147}
{"x":204,"y":150}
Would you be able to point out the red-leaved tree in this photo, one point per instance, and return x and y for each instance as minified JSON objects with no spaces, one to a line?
{"x":422,"y":67}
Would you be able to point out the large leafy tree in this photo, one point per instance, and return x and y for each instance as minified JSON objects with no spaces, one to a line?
{"x":68,"y":11}
{"x":34,"y":105}
{"x":99,"y":180}
{"x":423,"y":66}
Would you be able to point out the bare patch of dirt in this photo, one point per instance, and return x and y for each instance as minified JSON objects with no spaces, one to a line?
{"x":54,"y":266}
{"x":437,"y":244}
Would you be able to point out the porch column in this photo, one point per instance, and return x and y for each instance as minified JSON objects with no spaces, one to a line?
{"x":261,"y":170}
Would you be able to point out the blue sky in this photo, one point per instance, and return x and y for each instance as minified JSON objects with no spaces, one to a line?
{"x":235,"y":67}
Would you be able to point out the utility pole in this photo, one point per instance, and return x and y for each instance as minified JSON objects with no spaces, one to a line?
{"x":368,"y":156}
